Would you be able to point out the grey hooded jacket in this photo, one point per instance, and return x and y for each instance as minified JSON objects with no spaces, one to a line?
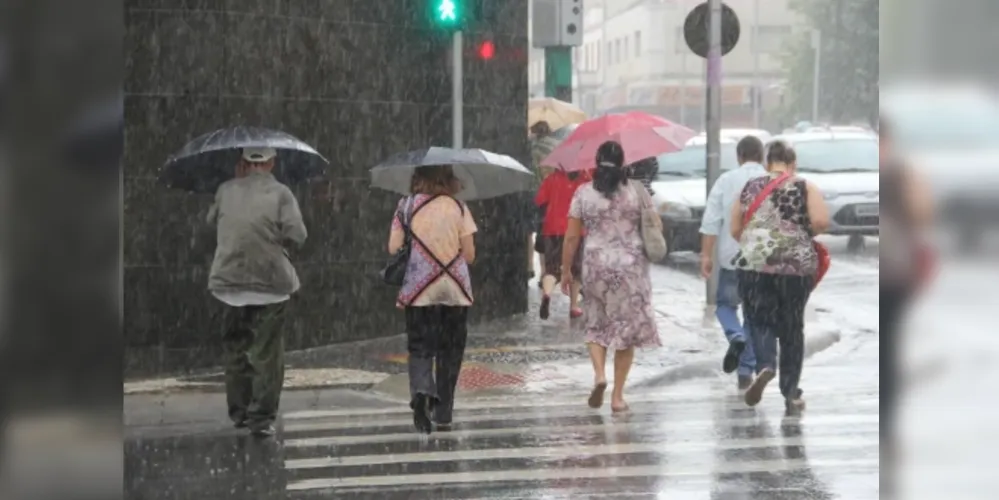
{"x":257,"y":218}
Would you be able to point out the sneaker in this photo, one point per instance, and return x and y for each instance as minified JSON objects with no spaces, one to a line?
{"x":794,"y":407}
{"x":546,"y":303}
{"x":731,"y":361}
{"x":575,"y":313}
{"x":755,"y":392}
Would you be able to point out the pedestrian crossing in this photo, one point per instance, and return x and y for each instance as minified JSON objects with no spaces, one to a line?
{"x":692,"y":441}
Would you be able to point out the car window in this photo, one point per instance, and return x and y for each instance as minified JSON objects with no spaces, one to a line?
{"x":838,"y":155}
{"x":690,"y":162}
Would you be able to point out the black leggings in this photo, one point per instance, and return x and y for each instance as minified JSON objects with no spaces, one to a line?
{"x":774,"y":310}
{"x":436,"y":336}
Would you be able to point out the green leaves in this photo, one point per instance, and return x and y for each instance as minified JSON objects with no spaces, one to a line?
{"x":849,"y":63}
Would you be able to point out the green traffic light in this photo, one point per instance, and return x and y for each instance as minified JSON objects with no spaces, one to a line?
{"x":447,"y":11}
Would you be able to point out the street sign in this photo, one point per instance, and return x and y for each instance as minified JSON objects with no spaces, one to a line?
{"x":695,"y":29}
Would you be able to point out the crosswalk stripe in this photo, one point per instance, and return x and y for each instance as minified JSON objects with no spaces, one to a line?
{"x":570,"y":451}
{"x":494,"y":415}
{"x":529,"y":401}
{"x":666,"y":424}
{"x":574,"y":473}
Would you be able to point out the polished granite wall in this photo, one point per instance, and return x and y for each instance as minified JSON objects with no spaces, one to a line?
{"x":358,"y":79}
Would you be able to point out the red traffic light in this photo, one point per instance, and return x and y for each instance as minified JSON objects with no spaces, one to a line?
{"x":487,"y":50}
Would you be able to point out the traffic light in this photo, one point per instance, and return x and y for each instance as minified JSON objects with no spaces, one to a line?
{"x":447,"y":14}
{"x":487,"y":50}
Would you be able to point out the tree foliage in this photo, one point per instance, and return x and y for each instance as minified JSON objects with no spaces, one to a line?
{"x":849,"y":71}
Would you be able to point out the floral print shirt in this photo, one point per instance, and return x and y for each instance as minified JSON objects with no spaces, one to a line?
{"x":778,"y":238}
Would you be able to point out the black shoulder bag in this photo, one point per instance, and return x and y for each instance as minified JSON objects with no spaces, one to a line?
{"x":394,"y":272}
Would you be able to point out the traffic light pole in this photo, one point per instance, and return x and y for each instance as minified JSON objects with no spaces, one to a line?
{"x":558,"y":73}
{"x":713,"y":120}
{"x":457,"y":90}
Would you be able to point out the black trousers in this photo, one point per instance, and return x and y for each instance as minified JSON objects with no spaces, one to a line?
{"x":254,"y":373}
{"x":774,"y":309}
{"x":436,"y":337}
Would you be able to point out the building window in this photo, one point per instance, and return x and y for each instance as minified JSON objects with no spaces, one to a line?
{"x":617,"y":51}
{"x":771,"y":39}
{"x":626,"y":52}
{"x":638,"y":43}
{"x":596,"y":56}
{"x":610,"y":53}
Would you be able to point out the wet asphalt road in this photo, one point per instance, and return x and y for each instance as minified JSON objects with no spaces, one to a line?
{"x":694,"y":440}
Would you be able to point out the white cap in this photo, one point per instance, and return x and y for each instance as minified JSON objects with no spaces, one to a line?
{"x":259,"y":155}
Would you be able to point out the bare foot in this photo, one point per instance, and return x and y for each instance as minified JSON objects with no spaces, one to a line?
{"x":597,"y":395}
{"x":619,"y":406}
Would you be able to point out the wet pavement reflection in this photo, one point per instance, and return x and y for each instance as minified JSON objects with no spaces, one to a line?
{"x":697,"y":439}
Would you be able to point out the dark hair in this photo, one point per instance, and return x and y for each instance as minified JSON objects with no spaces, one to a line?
{"x":541,"y":128}
{"x":433,"y":180}
{"x":780,"y":152}
{"x":610,"y":173}
{"x":573,"y":175}
{"x":750,"y":148}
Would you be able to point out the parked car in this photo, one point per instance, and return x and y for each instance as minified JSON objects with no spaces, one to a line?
{"x":949,"y":132}
{"x":732,"y":134}
{"x":680,"y":192}
{"x":845,"y":166}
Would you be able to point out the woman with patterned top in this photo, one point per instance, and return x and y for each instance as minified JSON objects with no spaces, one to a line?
{"x":437,"y":290}
{"x":776,"y":264}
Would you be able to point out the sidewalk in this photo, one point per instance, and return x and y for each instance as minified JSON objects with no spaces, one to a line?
{"x":518,"y":355}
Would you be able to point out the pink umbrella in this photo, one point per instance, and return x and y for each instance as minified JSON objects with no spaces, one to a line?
{"x":641,"y":135}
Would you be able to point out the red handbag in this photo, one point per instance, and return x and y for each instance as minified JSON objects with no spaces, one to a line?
{"x":821,"y":251}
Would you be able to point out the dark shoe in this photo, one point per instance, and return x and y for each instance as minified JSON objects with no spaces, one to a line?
{"x":241,"y":424}
{"x":755,"y":392}
{"x":745,"y":381}
{"x":546,"y":303}
{"x":263,"y":431}
{"x":443,"y":426}
{"x":731,"y":361}
{"x":421,"y":414}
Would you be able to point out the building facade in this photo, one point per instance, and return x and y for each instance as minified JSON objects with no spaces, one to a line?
{"x":634,"y":56}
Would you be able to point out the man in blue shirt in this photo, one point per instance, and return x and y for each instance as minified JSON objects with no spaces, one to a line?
{"x":719,"y":248}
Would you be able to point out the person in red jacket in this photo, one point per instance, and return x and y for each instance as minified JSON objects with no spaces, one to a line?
{"x":555,"y":194}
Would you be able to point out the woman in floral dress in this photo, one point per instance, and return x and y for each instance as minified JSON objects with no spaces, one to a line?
{"x":618,"y":307}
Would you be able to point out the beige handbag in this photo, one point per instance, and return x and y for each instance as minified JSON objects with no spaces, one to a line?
{"x":651,"y":225}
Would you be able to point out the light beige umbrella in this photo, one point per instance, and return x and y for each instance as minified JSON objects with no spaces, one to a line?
{"x":557,"y":113}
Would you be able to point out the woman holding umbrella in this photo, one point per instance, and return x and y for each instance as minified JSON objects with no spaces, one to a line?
{"x":436,"y":230}
{"x":437,"y":297}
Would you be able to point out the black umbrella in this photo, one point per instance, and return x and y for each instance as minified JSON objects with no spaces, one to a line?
{"x":208,"y":161}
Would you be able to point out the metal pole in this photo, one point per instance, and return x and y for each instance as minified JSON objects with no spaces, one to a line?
{"x":816,"y":77}
{"x":457,"y":91}
{"x":713,"y":117}
{"x":683,"y":76}
{"x":756,"y":64}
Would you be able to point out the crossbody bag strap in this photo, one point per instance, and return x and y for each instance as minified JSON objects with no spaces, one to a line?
{"x":762,"y":195}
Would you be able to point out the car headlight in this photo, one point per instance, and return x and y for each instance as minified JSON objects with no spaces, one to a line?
{"x":675,"y":210}
{"x":830,"y":195}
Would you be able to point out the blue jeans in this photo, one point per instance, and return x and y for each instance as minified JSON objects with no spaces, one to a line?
{"x":727,"y":310}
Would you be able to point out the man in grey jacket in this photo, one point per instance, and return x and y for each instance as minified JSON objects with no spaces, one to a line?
{"x":257,"y":218}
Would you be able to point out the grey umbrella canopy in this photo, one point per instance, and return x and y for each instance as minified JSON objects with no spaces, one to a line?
{"x":209,"y":160}
{"x":483,"y":174}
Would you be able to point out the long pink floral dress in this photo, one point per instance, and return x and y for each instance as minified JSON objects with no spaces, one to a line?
{"x":616,"y":283}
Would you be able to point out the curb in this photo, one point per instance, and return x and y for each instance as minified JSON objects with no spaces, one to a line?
{"x":814,"y":344}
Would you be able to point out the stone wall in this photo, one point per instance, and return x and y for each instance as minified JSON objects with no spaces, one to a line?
{"x":357,"y":79}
